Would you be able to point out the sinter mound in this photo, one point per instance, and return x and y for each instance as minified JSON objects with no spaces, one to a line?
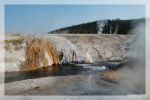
{"x":40,"y":53}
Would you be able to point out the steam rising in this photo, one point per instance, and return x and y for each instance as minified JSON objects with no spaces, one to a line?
{"x":132,"y":75}
{"x":130,"y":78}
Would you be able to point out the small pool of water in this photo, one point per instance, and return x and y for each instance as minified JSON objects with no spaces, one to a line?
{"x":61,"y":70}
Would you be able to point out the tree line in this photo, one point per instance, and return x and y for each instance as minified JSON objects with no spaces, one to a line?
{"x":84,"y":28}
{"x":115,"y":26}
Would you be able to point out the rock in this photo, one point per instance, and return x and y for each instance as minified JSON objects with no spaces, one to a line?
{"x":70,"y":48}
{"x":115,"y":59}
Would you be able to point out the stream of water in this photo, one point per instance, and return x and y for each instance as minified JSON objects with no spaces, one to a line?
{"x":61,"y":70}
{"x":75,"y":79}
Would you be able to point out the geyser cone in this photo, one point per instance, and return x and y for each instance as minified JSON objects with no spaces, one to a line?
{"x":40,"y":53}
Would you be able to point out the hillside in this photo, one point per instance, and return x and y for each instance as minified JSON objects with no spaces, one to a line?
{"x":115,"y":26}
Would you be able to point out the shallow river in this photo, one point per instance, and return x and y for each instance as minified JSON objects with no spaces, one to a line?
{"x":61,"y":70}
{"x":72,"y":79}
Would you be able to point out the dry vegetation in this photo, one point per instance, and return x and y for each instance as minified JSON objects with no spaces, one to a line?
{"x":15,"y":42}
{"x":110,"y":75}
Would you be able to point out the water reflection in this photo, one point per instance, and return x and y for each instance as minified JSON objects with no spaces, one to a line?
{"x":59,"y":70}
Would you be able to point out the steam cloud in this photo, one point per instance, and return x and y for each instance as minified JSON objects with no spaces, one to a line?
{"x":130,"y":78}
{"x":132,"y":75}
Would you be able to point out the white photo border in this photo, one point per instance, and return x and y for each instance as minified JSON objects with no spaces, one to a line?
{"x":76,"y":2}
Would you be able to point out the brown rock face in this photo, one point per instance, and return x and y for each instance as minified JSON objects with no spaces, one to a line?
{"x":39,"y":53}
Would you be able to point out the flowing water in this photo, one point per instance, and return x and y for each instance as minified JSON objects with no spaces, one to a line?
{"x":59,"y":70}
{"x":70,"y":79}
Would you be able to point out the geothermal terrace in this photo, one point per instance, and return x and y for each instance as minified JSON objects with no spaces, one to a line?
{"x":26,"y":53}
